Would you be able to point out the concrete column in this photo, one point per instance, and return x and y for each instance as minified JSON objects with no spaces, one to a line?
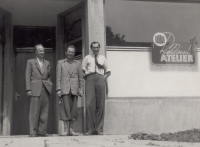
{"x":94,"y":25}
{"x":8,"y":84}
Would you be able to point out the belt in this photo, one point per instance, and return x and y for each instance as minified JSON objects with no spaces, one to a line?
{"x":93,"y":74}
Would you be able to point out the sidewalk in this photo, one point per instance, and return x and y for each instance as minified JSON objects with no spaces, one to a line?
{"x":86,"y":141}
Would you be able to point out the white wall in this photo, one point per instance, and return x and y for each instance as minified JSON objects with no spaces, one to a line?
{"x":151,"y":115}
{"x":134,"y":75}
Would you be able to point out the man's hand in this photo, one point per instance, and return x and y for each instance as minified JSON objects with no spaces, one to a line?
{"x":84,"y":76}
{"x":59,"y":93}
{"x":29,"y":93}
{"x":107,"y":75}
{"x":80,"y":93}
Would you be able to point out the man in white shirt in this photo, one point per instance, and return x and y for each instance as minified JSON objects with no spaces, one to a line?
{"x":95,"y":70}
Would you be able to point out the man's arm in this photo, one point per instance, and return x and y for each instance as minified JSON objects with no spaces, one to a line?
{"x":28,"y":78}
{"x":107,"y":70}
{"x":58,"y":78}
{"x":107,"y":74}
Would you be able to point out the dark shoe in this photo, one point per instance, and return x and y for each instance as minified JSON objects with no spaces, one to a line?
{"x":32,"y":135}
{"x":43,"y":135}
{"x":65,"y":133}
{"x":71,"y":132}
{"x":99,"y":133}
{"x":90,"y":133}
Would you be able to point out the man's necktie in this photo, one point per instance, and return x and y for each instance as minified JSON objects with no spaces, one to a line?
{"x":97,"y":64}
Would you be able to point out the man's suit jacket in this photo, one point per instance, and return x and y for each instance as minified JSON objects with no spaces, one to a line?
{"x":69,"y":78}
{"x":35,"y":77}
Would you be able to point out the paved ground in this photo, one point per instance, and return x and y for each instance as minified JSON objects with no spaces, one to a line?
{"x":86,"y":141}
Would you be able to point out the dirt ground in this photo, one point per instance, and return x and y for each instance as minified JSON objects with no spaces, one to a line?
{"x":86,"y":141}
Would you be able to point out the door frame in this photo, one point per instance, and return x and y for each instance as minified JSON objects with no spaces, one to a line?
{"x":7,"y":83}
{"x":29,"y":49}
{"x":60,"y":45}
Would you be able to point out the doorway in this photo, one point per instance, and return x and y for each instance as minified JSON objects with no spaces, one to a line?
{"x":70,"y":32}
{"x":24,"y":40}
{"x":17,"y":47}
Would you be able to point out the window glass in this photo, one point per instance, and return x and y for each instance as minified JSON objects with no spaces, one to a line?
{"x":134,"y":23}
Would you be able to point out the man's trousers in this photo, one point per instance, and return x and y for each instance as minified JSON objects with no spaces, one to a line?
{"x":69,"y":108}
{"x":38,"y":115}
{"x":95,"y":102}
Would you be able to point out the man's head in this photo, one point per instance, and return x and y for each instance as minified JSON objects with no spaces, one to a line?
{"x":95,"y":47}
{"x":39,"y":51}
{"x":70,"y":51}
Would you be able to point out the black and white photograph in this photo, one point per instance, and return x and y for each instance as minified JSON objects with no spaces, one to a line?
{"x":99,"y":73}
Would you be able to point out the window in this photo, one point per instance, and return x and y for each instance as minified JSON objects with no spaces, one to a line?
{"x":134,"y":23}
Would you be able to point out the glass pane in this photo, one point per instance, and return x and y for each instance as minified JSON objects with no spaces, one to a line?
{"x":134,"y":23}
{"x":73,"y":24}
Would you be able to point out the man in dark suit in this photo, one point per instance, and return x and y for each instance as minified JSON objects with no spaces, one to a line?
{"x":38,"y":87}
{"x":69,"y":84}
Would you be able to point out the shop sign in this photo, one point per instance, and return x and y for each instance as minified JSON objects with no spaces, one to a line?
{"x":165,"y":50}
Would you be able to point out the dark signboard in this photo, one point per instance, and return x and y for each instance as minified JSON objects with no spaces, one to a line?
{"x":165,"y":50}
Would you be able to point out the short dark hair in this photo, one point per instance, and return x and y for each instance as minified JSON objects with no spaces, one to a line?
{"x":94,"y":42}
{"x":70,"y":46}
{"x":35,"y":47}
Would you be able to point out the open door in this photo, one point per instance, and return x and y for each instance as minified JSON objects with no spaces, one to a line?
{"x":24,"y":39}
{"x":6,"y":75}
{"x":70,"y":32}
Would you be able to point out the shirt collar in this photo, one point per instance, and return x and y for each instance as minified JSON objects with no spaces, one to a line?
{"x":39,"y":59}
{"x":94,"y":55}
{"x":67,"y":60}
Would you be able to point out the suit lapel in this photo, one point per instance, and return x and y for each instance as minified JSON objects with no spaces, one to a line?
{"x":44,"y":66}
{"x":66,"y":64}
{"x":38,"y":66}
{"x":73,"y":67}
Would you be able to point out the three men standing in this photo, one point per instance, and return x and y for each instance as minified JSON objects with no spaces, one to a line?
{"x":95,"y":70}
{"x":39,"y":88}
{"x":69,"y":85}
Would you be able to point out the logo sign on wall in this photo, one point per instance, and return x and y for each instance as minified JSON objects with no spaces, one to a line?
{"x":165,"y":50}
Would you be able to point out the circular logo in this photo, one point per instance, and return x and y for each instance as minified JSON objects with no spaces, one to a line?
{"x":159,"y":39}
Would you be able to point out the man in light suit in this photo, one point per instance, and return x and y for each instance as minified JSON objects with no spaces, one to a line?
{"x":69,"y":84}
{"x":38,"y":87}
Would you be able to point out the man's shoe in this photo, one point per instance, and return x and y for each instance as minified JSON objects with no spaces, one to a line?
{"x":90,"y":133}
{"x":71,"y":132}
{"x":99,"y":133}
{"x":65,"y":133}
{"x":43,"y":135}
{"x":32,"y":135}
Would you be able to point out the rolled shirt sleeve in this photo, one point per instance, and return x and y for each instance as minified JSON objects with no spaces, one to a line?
{"x":106,"y":66}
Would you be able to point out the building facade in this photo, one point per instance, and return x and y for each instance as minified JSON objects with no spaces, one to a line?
{"x":147,"y":91}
